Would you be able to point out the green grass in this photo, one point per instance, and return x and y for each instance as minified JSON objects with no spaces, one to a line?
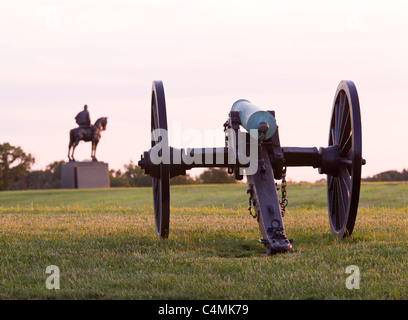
{"x":104,"y":243}
{"x":190,"y":196}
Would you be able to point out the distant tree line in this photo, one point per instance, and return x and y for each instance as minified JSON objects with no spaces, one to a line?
{"x":16,"y":173}
{"x":133,"y":176}
{"x":14,"y":165}
{"x":391,"y":175}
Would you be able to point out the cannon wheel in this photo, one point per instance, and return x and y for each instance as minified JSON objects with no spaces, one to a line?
{"x":161,"y":185}
{"x":343,"y":190}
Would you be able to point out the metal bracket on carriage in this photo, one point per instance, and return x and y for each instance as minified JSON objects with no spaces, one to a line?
{"x":278,"y":242}
{"x":261,"y":168}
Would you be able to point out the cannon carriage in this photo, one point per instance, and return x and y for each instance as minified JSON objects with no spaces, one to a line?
{"x":257,"y":153}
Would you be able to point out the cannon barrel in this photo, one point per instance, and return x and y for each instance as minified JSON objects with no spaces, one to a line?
{"x":252,"y":117}
{"x":180,"y":160}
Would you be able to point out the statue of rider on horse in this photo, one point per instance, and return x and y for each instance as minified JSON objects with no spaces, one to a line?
{"x":86,"y":132}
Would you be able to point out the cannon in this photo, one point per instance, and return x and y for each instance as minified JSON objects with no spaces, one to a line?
{"x":257,"y":154}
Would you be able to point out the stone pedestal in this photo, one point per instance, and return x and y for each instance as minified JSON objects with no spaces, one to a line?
{"x":85,"y":175}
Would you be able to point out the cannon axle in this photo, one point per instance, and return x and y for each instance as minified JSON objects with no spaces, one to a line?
{"x":327,"y":160}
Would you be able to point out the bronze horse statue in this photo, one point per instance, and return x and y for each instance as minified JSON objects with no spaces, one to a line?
{"x":93,"y":133}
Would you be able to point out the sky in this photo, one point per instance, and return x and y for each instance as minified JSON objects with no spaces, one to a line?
{"x":286,"y":56}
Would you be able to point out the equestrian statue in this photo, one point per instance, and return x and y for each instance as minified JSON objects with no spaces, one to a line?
{"x":86,"y":132}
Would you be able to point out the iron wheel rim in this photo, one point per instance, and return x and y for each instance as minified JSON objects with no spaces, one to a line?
{"x":161,"y":185}
{"x":343,"y":190}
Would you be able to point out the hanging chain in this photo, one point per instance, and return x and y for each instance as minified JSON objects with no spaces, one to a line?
{"x":250,"y":191}
{"x":284,"y":201}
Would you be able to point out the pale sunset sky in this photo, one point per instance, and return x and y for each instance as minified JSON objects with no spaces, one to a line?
{"x":287,"y":56}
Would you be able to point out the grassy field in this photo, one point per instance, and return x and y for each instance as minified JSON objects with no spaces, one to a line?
{"x":104,"y":244}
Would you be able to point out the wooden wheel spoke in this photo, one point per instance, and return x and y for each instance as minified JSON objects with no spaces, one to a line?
{"x":340,"y":203}
{"x":339,"y":116}
{"x":156,"y":192}
{"x":332,"y":135}
{"x":345,"y":186}
{"x":155,"y":137}
{"x":336,"y":124}
{"x":330,"y":182}
{"x":333,"y":201}
{"x":346,"y":128}
{"x":345,"y":179}
{"x":155,"y":125}
{"x":346,"y":162}
{"x":336,"y":204}
{"x":346,"y":148}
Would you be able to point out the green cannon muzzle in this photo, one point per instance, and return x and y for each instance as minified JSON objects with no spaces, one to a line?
{"x":253,"y":118}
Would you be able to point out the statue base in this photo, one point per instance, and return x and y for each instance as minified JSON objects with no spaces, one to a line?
{"x":85,"y":175}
